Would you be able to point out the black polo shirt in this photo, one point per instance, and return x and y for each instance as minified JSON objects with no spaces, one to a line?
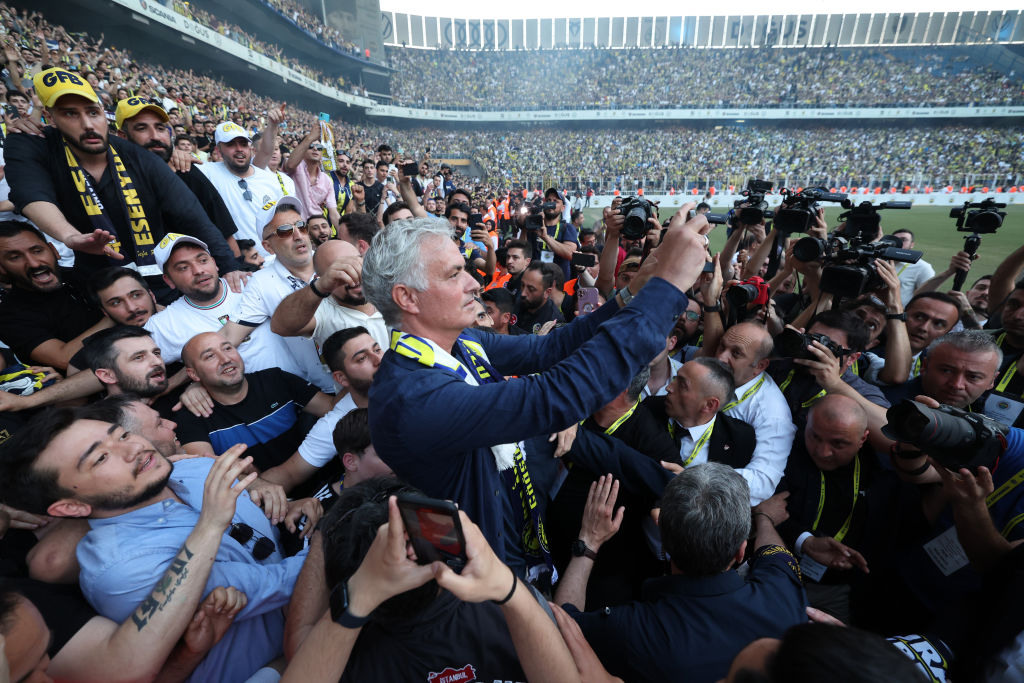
{"x":530,"y":321}
{"x":28,"y":318}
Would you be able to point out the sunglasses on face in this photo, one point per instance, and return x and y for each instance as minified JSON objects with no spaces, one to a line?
{"x":285,"y":230}
{"x":244,"y":534}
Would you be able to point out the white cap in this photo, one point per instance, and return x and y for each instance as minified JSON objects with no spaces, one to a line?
{"x":228,"y":131}
{"x":267,"y":211}
{"x":169,"y":242}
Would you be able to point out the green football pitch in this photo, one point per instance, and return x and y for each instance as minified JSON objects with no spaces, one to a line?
{"x":934,"y":232}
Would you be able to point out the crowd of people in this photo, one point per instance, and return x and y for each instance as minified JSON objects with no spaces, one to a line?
{"x":695,"y":78}
{"x":267,"y":418}
{"x":314,"y":26}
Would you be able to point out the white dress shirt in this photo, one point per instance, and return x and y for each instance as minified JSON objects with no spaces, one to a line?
{"x":768,"y":413}
{"x":689,"y":436}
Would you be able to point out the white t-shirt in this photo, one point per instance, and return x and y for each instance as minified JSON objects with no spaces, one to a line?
{"x":263,"y":188}
{"x":318,"y":447}
{"x":263,"y":293}
{"x":331,"y":316}
{"x":175,"y":325}
{"x":912,"y":276}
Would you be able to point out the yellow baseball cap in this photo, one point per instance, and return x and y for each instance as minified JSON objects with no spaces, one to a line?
{"x":131,"y":106}
{"x":54,"y":83}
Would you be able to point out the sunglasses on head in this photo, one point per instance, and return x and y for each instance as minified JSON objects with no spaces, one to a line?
{"x":285,"y":230}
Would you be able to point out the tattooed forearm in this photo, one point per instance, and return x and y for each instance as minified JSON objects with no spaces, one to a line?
{"x":164,"y":590}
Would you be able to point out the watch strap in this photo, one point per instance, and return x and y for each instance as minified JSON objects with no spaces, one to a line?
{"x":896,"y":316}
{"x":717,"y":308}
{"x":315,"y":290}
{"x":339,"y":608}
{"x":581,"y":549}
{"x":625,"y":295}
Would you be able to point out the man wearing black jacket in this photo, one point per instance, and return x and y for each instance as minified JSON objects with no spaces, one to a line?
{"x":109,"y":200}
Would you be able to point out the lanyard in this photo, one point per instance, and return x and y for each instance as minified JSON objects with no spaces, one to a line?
{"x":841,"y":534}
{"x":696,"y":446}
{"x":900,"y":271}
{"x":746,"y":394}
{"x":135,"y":213}
{"x":1010,"y":371}
{"x":809,"y":402}
{"x":1000,"y":493}
{"x":618,"y":423}
{"x":916,"y":370}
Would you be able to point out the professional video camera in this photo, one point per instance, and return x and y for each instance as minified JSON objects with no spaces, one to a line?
{"x":863,"y":221}
{"x":793,"y":344}
{"x":984,"y":220}
{"x":954,"y":438}
{"x":849,"y":264}
{"x":799,"y":209}
{"x":756,"y":209}
{"x":636,"y":210}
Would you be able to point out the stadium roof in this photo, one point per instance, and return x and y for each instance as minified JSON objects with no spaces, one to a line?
{"x":531,"y":9}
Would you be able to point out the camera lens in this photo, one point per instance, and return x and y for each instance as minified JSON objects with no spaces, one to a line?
{"x":809,"y":249}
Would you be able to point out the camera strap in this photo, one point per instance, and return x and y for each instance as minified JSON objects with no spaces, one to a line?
{"x":843,"y":530}
{"x":809,"y":402}
{"x":1010,"y":371}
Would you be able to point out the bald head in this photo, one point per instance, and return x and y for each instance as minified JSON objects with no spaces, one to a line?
{"x":330,"y":251}
{"x":194,"y":346}
{"x":745,"y":348}
{"x":836,"y":429}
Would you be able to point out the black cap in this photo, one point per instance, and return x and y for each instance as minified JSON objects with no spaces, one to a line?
{"x":552,"y":190}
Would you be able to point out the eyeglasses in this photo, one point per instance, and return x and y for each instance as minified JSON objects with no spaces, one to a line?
{"x":692,"y":316}
{"x":243,"y":534}
{"x":284,"y":231}
{"x":246,"y":193}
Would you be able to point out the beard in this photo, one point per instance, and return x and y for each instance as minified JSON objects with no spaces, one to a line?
{"x":91,"y":143}
{"x":159,"y":148}
{"x":126,"y":498}
{"x":144,"y":387}
{"x":352,"y":299}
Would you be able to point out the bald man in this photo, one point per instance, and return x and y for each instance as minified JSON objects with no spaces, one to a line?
{"x":829,"y":480}
{"x":329,"y":305}
{"x":259,"y":409}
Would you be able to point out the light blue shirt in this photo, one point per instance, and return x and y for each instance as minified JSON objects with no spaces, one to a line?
{"x":123,"y":557}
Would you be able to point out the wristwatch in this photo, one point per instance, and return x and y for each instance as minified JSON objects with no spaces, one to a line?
{"x":717,"y":308}
{"x":625,"y":295}
{"x":339,"y":608}
{"x":580,"y":549}
{"x":896,"y":316}
{"x":312,"y":287}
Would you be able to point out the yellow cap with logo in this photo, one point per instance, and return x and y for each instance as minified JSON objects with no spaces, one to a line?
{"x":54,"y":83}
{"x":131,"y":106}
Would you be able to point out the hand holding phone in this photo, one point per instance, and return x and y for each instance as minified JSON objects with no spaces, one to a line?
{"x":410,"y":169}
{"x":434,"y":529}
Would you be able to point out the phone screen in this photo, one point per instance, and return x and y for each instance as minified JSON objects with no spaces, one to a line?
{"x":434,"y":530}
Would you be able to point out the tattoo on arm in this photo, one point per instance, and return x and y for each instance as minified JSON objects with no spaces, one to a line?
{"x":162,"y":593}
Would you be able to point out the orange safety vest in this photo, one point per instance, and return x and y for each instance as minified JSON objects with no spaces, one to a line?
{"x":570,"y":287}
{"x":498,"y":281}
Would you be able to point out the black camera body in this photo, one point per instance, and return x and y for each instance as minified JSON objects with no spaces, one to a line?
{"x":862,"y":221}
{"x":799,"y":210}
{"x":985,"y":218}
{"x":849,"y":264}
{"x":955,"y":438}
{"x":793,"y":344}
{"x":636,"y":210}
{"x":756,"y":209}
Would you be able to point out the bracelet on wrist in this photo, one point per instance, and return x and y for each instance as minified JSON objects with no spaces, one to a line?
{"x":515,"y":584}
{"x":766,"y":516}
{"x":313,"y":288}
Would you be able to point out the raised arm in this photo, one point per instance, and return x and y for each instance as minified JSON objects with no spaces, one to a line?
{"x":1004,"y":278}
{"x":613,"y":221}
{"x":268,"y":141}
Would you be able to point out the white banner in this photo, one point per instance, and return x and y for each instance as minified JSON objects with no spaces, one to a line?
{"x":153,"y":10}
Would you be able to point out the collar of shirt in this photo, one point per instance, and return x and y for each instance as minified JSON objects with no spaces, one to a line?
{"x":696,"y":432}
{"x":692,"y":586}
{"x":282,"y":272}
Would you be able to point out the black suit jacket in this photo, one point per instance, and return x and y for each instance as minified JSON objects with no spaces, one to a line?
{"x":732,"y":440}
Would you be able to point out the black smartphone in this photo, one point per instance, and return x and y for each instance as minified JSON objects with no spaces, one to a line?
{"x":11,"y":112}
{"x":410,"y":169}
{"x":434,"y":529}
{"x":584,"y":260}
{"x":475,"y":219}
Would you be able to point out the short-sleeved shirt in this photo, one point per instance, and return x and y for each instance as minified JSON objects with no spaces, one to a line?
{"x":29,"y":318}
{"x":313,"y":195}
{"x":183,"y":319}
{"x":262,"y":186}
{"x":331,"y":316}
{"x":318,"y":447}
{"x":266,"y":419}
{"x":697,"y":625}
{"x":563,"y":231}
{"x":263,"y":292}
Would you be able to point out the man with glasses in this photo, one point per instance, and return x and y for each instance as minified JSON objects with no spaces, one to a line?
{"x":142,"y":509}
{"x":312,"y":185}
{"x":245,"y":188}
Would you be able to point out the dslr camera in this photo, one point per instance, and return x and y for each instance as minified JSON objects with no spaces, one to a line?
{"x":863,"y":222}
{"x":799,"y":210}
{"x":636,"y":210}
{"x":849,"y":264}
{"x":793,"y":344}
{"x":984,"y":219}
{"x":955,"y":438}
{"x":754,"y":291}
{"x":756,"y":209}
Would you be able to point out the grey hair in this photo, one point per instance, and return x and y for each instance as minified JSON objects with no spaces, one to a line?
{"x":640,"y":380}
{"x":970,"y":341}
{"x":395,"y":258}
{"x":705,"y":518}
{"x":720,"y":381}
